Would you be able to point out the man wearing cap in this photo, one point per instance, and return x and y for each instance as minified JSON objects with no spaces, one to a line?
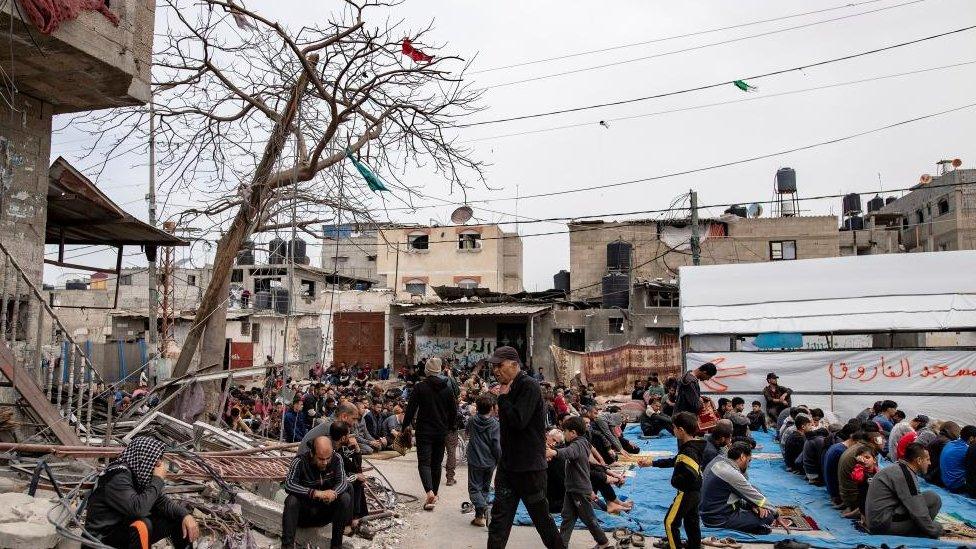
{"x":901,"y":429}
{"x":521,"y":473}
{"x":777,"y":397}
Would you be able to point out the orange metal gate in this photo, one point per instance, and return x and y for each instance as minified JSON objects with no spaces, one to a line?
{"x":358,"y":337}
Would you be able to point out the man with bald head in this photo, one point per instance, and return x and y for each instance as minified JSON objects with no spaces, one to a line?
{"x":318,"y":493}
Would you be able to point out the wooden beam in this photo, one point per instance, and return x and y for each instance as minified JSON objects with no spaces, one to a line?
{"x":23,"y":381}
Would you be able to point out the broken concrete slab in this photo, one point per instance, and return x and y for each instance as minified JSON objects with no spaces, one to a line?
{"x":265,"y":515}
{"x":24,"y":522}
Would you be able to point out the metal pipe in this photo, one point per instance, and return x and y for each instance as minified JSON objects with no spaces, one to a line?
{"x":15,"y":317}
{"x":3,"y":295}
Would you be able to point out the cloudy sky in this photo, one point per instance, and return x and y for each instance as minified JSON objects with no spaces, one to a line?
{"x":678,"y":133}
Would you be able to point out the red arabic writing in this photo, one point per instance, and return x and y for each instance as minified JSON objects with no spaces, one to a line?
{"x":868,"y":372}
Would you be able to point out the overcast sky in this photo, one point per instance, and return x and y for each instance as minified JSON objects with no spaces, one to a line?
{"x":506,"y":33}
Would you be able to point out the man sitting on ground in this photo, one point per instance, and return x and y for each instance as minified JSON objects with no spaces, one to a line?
{"x":894,"y":504}
{"x":729,"y":500}
{"x":958,"y":463}
{"x":948,"y":432}
{"x":717,"y":442}
{"x":652,"y":421}
{"x":870,"y":436}
{"x":318,"y":493}
{"x":885,"y":418}
{"x":793,"y":443}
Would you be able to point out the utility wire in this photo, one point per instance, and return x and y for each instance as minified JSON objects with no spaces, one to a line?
{"x":672,"y":37}
{"x":722,"y":103}
{"x":698,"y":47}
{"x":719,"y":84}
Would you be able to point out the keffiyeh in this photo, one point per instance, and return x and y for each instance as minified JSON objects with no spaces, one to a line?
{"x":140,"y":458}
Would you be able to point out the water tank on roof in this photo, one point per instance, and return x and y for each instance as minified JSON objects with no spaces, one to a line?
{"x":246,"y":255}
{"x":297,"y":249}
{"x":618,"y":256}
{"x":852,"y":204}
{"x":277,"y":249}
{"x":785,"y":181}
{"x":875,"y":203}
{"x":890,"y":199}
{"x":855,"y":223}
{"x":560,"y":281}
{"x":279,"y":300}
{"x":262,"y":299}
{"x":616,"y":290}
{"x":737,"y":210}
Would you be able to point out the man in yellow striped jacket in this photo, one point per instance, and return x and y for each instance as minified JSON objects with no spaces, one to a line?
{"x":687,"y":480}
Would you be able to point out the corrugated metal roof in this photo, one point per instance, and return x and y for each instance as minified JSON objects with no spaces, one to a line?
{"x":498,"y":309}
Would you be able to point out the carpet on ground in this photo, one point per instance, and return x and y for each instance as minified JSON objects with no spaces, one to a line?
{"x":651,"y":491}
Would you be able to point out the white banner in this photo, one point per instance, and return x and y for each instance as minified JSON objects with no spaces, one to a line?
{"x":940,"y":383}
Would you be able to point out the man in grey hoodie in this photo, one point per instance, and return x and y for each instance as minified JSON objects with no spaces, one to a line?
{"x":729,"y":500}
{"x":895,"y":506}
{"x":484,"y":450}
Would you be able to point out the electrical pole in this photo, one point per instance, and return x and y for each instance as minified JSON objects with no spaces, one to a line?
{"x":153,"y":339}
{"x":695,"y":236}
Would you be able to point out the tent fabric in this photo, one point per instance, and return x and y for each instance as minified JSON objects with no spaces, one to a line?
{"x":910,"y":292}
{"x":769,"y":476}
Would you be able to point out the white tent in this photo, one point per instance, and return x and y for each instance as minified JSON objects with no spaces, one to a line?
{"x":874,"y":293}
{"x":878,"y":293}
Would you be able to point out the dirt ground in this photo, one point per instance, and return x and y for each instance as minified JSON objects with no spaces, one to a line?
{"x":446,"y":527}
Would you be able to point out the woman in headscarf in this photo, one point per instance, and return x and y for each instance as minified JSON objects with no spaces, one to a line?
{"x":127,"y":508}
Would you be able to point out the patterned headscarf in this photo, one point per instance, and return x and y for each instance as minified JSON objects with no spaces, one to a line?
{"x":140,"y":458}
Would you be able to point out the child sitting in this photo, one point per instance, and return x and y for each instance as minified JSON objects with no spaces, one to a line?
{"x":862,"y":474}
{"x":757,"y":419}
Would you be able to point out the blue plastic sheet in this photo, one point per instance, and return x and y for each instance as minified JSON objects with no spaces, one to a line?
{"x":651,"y":491}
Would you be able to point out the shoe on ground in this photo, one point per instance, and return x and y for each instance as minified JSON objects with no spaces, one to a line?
{"x":479,"y":521}
{"x":451,"y":482}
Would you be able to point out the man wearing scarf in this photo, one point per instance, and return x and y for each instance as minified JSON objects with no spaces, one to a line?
{"x":127,"y":508}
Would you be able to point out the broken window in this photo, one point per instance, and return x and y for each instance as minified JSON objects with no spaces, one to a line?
{"x":418,"y":242}
{"x":125,"y":280}
{"x":245,"y":327}
{"x":191,"y":280}
{"x":615,"y":326}
{"x":237,"y":275}
{"x":416,"y":287}
{"x":308,"y":288}
{"x":255,"y":333}
{"x":467,"y":283}
{"x":943,"y":206}
{"x":782,"y":250}
{"x":469,"y":240}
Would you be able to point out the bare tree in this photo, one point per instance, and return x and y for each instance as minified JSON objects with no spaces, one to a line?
{"x":254,"y":122}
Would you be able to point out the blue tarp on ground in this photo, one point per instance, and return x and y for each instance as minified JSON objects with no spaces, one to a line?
{"x":652,"y":494}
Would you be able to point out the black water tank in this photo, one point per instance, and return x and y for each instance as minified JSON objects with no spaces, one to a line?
{"x":279,"y":298}
{"x":852,"y":204}
{"x":855,"y":223}
{"x":262,"y":299}
{"x":618,"y":256}
{"x":296,"y":249}
{"x":246,"y":255}
{"x":890,"y":199}
{"x":875,"y":203}
{"x":616,"y":290}
{"x":561,"y":281}
{"x":785,"y":181}
{"x":276,"y":251}
{"x":737,"y":210}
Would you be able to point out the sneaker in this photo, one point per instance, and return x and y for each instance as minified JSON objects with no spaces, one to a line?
{"x":479,"y":522}
{"x":451,"y":482}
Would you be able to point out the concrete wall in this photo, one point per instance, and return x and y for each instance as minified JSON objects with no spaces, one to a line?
{"x":356,"y":253}
{"x":954,"y":230}
{"x":444,"y":264}
{"x":747,"y":242}
{"x":643,"y":323}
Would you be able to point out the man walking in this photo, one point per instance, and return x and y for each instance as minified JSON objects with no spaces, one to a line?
{"x":434,"y":407}
{"x":521,"y":474}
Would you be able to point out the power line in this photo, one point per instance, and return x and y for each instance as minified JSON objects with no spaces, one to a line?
{"x":672,"y":37}
{"x":700,"y":46}
{"x":719,"y":84}
{"x":722,"y":103}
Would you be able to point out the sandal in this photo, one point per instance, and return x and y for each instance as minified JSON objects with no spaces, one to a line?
{"x":621,"y":533}
{"x":637,"y":540}
{"x":731,"y":543}
{"x":713,"y":541}
{"x":429,"y":504}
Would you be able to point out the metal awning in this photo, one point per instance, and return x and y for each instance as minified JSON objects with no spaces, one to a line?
{"x":79,"y":213}
{"x":501,"y":309}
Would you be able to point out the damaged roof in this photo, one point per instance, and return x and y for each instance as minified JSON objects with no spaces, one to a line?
{"x":79,"y":213}
{"x":500,"y":309}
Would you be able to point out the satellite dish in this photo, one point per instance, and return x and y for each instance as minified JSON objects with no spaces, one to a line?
{"x":755,"y":210}
{"x":956,"y":162}
{"x":925,"y":179}
{"x":462,"y":215}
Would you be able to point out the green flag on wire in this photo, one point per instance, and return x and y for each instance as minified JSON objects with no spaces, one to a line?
{"x":741,"y":84}
{"x":373,"y":180}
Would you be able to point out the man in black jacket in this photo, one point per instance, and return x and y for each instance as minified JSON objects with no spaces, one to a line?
{"x":521,"y":474}
{"x":689,"y":390}
{"x":318,"y":493}
{"x":127,"y":507}
{"x":432,"y":404}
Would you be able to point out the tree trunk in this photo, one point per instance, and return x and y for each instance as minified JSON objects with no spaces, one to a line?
{"x":214,"y":298}
{"x":212,"y":348}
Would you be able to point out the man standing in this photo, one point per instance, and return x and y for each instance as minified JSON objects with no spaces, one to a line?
{"x":689,"y":397}
{"x":894,"y":504}
{"x":318,"y":493}
{"x":777,"y":397}
{"x":521,"y":473}
{"x":434,"y":407}
{"x":451,"y":439}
